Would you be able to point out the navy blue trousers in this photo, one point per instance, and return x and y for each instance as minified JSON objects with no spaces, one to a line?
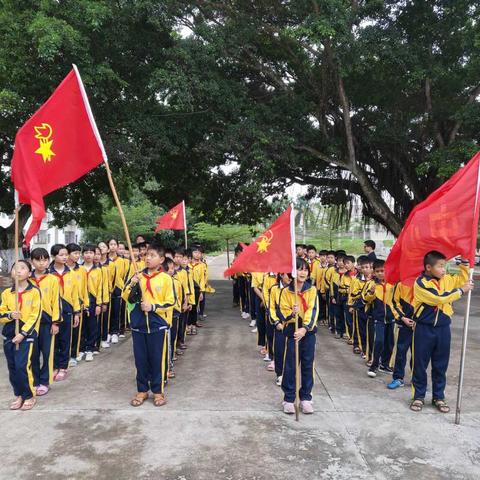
{"x":19,"y":363}
{"x":252,"y":298}
{"x":404,"y":343}
{"x":90,"y":329}
{"x":383,"y":344}
{"x":193,"y":313}
{"x":339,"y":311}
{"x":174,"y":334}
{"x":330,"y":312}
{"x":260,"y":318}
{"x":243,"y":295}
{"x":430,"y":344}
{"x":361,"y":331}
{"x":44,"y":348}
{"x":270,"y":333}
{"x":149,"y":353}
{"x":348,"y":320}
{"x":322,"y":307}
{"x":278,"y":351}
{"x":306,"y":356}
{"x":62,"y":342}
{"x":201,"y":308}
{"x":115,"y":311}
{"x":370,"y":336}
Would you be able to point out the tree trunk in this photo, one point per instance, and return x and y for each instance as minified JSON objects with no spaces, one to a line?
{"x":7,"y":239}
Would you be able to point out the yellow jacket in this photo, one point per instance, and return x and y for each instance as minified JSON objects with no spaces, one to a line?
{"x":30,"y":305}
{"x":179,"y":294}
{"x":95,"y":284}
{"x":50,"y":291}
{"x":402,"y":301}
{"x":380,"y":300}
{"x":269,"y":280}
{"x":314,"y":266}
{"x":327,"y":279}
{"x":68,"y":289}
{"x":81,"y":279}
{"x":120,"y":266}
{"x":199,"y":275}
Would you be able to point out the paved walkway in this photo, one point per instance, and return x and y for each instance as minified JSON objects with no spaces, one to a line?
{"x":224,"y":419}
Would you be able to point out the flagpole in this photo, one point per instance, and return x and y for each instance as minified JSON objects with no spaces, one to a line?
{"x":17,"y":257}
{"x":185,"y":224}
{"x":107,"y":167}
{"x":467,"y":314}
{"x":297,"y":353}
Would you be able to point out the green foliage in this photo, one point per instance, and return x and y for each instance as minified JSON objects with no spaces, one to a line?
{"x":221,"y":236}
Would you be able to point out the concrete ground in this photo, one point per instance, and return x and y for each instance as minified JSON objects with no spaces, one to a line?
{"x":223,"y":419}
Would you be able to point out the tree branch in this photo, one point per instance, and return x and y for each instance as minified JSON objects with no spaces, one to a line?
{"x":428,"y":99}
{"x":471,"y":98}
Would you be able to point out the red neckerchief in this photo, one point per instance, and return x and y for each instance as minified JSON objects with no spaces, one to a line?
{"x":60,"y":277}
{"x":352,"y":272}
{"x":20,"y":299}
{"x":149,"y":277}
{"x":38,"y":280}
{"x":304,"y":301}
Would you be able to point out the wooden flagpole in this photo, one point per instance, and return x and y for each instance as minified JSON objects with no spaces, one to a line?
{"x":185,"y":224}
{"x":17,"y":257}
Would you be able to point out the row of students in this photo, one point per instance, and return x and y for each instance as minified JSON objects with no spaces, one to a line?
{"x":382,"y":322}
{"x":69,"y":311}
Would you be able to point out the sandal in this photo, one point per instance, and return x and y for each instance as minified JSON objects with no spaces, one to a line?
{"x":189,"y":331}
{"x":29,"y":404}
{"x":350,"y":342}
{"x":171,"y":374}
{"x":138,"y":399}
{"x":16,"y":404}
{"x":416,"y":405}
{"x":194,"y":331}
{"x":159,"y":399}
{"x":61,"y":375}
{"x":441,"y":406}
{"x":357,"y":350}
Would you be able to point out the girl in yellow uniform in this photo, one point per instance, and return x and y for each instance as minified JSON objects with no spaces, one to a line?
{"x":18,"y":347}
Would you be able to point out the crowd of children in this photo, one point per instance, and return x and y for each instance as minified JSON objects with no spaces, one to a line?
{"x":380,"y":321}
{"x":66,"y":312}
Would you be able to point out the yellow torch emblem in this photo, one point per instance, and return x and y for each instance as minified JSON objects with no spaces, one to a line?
{"x":44,"y":136}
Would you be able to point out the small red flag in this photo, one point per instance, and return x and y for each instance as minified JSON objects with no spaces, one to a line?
{"x":55,"y":147}
{"x":174,"y":219}
{"x":447,"y":221}
{"x":272,"y":251}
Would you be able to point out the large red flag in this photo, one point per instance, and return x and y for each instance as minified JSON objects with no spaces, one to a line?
{"x":446,"y":221}
{"x":174,"y":219}
{"x":272,"y":251}
{"x":55,"y":147}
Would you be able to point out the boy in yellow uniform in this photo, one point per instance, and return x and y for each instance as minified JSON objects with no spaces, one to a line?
{"x":343,"y":294}
{"x":325,"y":290}
{"x":153,"y":296}
{"x":18,"y":348}
{"x":269,"y":280}
{"x":313,"y":263}
{"x":257,"y":285}
{"x":181,"y":273}
{"x":91,"y":318}
{"x":70,"y":308}
{"x":319,"y":276}
{"x":433,"y":294}
{"x":198,"y":273}
{"x":305,"y":304}
{"x":48,"y":328}
{"x":335,"y":300}
{"x":101,"y":259}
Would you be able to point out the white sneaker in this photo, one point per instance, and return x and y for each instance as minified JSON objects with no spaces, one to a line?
{"x":114,"y":338}
{"x":122,"y":335}
{"x":109,"y":338}
{"x":72,"y":362}
{"x":105,"y":345}
{"x":89,"y":356}
{"x":245,"y":315}
{"x":96,"y":352}
{"x":80,"y":357}
{"x":307,"y":407}
{"x":266,"y":358}
{"x":253,"y":323}
{"x":372,"y":373}
{"x":288,"y":408}
{"x":254,"y":330}
{"x":279,"y":381}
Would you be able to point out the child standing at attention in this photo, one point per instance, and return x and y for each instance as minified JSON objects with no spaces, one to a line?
{"x":28,"y":315}
{"x":149,"y":323}
{"x":433,"y":294}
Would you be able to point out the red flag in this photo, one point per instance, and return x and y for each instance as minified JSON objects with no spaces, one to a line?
{"x":174,"y":219}
{"x":55,"y":147}
{"x":272,"y":251}
{"x":446,"y":221}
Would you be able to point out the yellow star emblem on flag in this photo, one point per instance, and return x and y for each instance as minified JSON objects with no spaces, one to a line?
{"x":174,"y":214}
{"x":264,"y":241}
{"x":44,"y":135}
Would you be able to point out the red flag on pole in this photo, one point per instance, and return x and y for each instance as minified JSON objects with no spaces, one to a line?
{"x":174,"y":219}
{"x":272,"y":251}
{"x":446,"y":221}
{"x":55,"y":147}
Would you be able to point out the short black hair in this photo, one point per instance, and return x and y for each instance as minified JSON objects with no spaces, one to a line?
{"x":378,"y":263}
{"x":55,"y":250}
{"x":340,"y":252}
{"x":197,"y":247}
{"x":330,"y":252}
{"x":39,"y":254}
{"x":26,"y":262}
{"x":370,"y":243}
{"x":349,"y":258}
{"x":363,"y":260}
{"x":302,"y":264}
{"x":323,"y":252}
{"x":136,"y":245}
{"x":180,"y":251}
{"x":89,"y":247}
{"x":110,"y":239}
{"x":432,"y":257}
{"x":160,"y":249}
{"x":312,"y":247}
{"x":169,"y":251}
{"x":166,"y":264}
{"x":341,"y":256}
{"x":73,"y":247}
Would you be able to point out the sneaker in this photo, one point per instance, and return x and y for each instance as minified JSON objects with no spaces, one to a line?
{"x":96,"y":352}
{"x":205,"y":315}
{"x":271,"y":366}
{"x":252,"y":323}
{"x":369,"y":363}
{"x":109,"y":338}
{"x":254,"y":330}
{"x":364,"y":356}
{"x":80,"y":356}
{"x":72,"y":362}
{"x":372,"y":373}
{"x":307,"y":407}
{"x":279,"y":381}
{"x":385,"y":369}
{"x":266,"y":358}
{"x":288,"y":408}
{"x":89,"y":357}
{"x":114,"y":338}
{"x":42,"y":390}
{"x":395,"y":384}
{"x":105,"y":344}
{"x":245,"y":315}
{"x":122,"y":335}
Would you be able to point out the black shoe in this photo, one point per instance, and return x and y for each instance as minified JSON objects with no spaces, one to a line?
{"x":385,"y":369}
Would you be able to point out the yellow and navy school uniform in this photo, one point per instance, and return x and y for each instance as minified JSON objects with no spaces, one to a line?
{"x":338,"y":306}
{"x":325,"y":289}
{"x":186,"y":281}
{"x":19,"y":361}
{"x":69,"y":295}
{"x":107,"y":285}
{"x":197,"y":270}
{"x":259,"y":307}
{"x":178,"y":284}
{"x":343,"y":296}
{"x":149,"y":328}
{"x":278,"y":337}
{"x":360,"y":313}
{"x":307,"y":301}
{"x":402,"y":303}
{"x":432,"y":303}
{"x":313,"y":266}
{"x":319,"y":277}
{"x":269,"y":280}
{"x":91,"y":322}
{"x":77,"y":333}
{"x":201,"y":306}
{"x":45,"y":344}
{"x":120,"y":267}
{"x":383,"y":321}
